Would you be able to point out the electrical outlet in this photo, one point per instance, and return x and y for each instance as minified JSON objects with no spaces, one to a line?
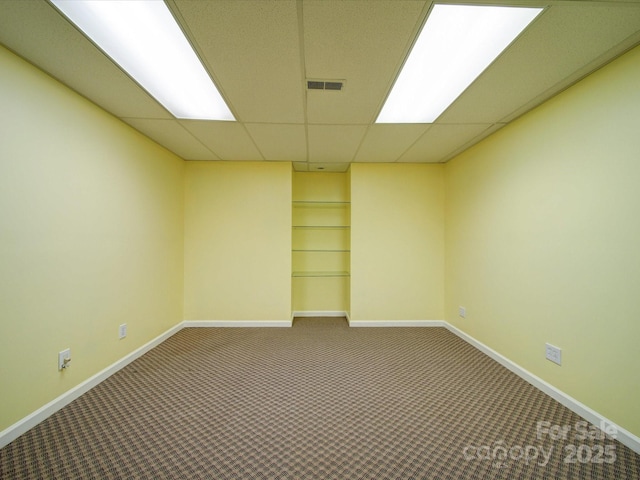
{"x":122,"y":330}
{"x":64,"y":357}
{"x":462,"y":312}
{"x":553,"y":353}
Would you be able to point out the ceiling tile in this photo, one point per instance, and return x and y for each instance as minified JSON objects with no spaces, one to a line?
{"x":329,"y":167}
{"x":385,"y":143}
{"x":228,"y":140}
{"x":173,"y":136}
{"x":37,"y":32}
{"x":321,"y":167}
{"x":363,"y":43}
{"x":301,"y":166}
{"x":441,"y":140}
{"x":260,"y":52}
{"x":280,"y":142}
{"x":252,"y":48}
{"x":562,"y":40}
{"x":334,"y":143}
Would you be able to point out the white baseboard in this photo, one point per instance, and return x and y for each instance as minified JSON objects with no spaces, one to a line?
{"x":623,"y":436}
{"x":9,"y":434}
{"x":397,"y":323}
{"x":320,"y":313}
{"x":236,"y":323}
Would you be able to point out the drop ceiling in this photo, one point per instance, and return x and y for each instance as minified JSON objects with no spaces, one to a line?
{"x":262,"y":52}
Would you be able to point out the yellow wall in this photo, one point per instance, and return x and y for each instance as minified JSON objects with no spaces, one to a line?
{"x":91,"y":237}
{"x":543,"y":240}
{"x":397,"y":242}
{"x":237,"y":241}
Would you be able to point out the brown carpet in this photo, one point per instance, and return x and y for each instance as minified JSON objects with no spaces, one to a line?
{"x":316,"y":401}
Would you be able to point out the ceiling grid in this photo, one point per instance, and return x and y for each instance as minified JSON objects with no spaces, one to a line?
{"x":261,"y":52}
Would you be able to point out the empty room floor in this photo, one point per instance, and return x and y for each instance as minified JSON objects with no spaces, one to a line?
{"x":318,"y":400}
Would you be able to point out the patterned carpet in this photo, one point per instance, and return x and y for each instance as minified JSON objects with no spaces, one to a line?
{"x":316,"y":401}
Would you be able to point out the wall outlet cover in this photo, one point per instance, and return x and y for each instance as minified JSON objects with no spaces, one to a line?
{"x":553,"y":353}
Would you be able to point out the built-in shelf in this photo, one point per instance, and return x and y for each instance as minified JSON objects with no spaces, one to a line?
{"x":324,"y":250}
{"x":319,"y":203}
{"x":321,"y":242}
{"x":307,"y":274}
{"x":321,"y":227}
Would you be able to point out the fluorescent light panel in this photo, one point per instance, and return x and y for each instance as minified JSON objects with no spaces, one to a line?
{"x":144,"y":39}
{"x":456,"y":44}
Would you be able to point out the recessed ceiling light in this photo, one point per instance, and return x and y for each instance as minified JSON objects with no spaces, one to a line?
{"x":456,"y":44}
{"x":145,"y":40}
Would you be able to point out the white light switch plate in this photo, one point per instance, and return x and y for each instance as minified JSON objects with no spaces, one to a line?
{"x":64,"y":357}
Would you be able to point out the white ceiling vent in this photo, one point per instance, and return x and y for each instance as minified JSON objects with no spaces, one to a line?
{"x":333,"y":85}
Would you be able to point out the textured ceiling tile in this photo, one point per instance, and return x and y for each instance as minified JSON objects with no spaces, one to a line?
{"x":363,"y":42}
{"x":280,"y":142}
{"x":228,"y":140}
{"x":557,"y":44}
{"x":173,"y":136}
{"x":37,"y":32}
{"x":328,"y":167}
{"x":252,"y":49}
{"x":440,"y":140}
{"x":320,"y":167}
{"x":334,"y":143}
{"x":300,"y":166}
{"x":385,"y":143}
{"x":331,"y":167}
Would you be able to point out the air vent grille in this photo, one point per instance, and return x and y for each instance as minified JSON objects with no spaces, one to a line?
{"x":334,"y":85}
